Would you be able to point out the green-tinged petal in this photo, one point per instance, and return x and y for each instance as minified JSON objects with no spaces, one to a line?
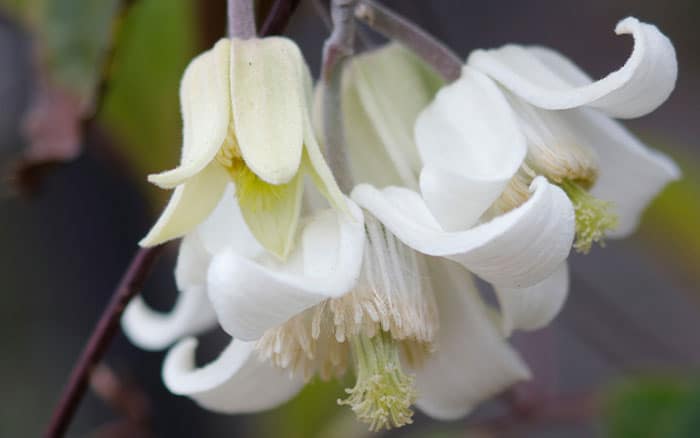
{"x":318,"y":168}
{"x":270,"y":211}
{"x":206,"y":113}
{"x":190,"y":204}
{"x":268,"y":106}
{"x":391,"y":86}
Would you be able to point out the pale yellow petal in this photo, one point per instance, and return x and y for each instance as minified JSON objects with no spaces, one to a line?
{"x":270,"y":211}
{"x":189,"y":205}
{"x":206,"y":113}
{"x":268,"y":106}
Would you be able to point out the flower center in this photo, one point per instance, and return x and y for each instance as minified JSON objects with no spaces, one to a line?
{"x":383,"y":393}
{"x":391,"y":313}
{"x":594,"y":217}
{"x":250,"y":189}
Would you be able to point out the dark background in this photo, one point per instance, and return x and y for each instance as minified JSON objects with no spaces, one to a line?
{"x":627,"y":337}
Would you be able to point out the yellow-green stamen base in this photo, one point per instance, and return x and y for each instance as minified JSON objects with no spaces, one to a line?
{"x":383,"y":393}
{"x":594,"y":217}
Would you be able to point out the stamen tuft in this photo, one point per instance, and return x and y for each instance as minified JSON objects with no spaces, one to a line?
{"x":594,"y":217}
{"x":383,"y":393}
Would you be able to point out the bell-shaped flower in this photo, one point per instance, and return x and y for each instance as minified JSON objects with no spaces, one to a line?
{"x":468,"y":147}
{"x":572,"y":137}
{"x":325,"y":262}
{"x":246,"y":119}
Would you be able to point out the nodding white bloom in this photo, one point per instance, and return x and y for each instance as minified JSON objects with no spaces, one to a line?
{"x":246,"y":118}
{"x":572,"y":138}
{"x":225,"y":276}
{"x":468,"y":147}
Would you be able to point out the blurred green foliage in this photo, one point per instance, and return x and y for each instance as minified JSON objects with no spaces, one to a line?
{"x":72,"y":35}
{"x":654,"y":407}
{"x":141,"y":106}
{"x":673,"y":218}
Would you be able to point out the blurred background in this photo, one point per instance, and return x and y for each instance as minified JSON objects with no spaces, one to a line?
{"x":88,"y":107}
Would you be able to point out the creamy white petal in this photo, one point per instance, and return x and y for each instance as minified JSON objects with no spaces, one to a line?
{"x":386,"y":89}
{"x":189,"y":205}
{"x":470,"y":143}
{"x":268,"y":104}
{"x":251,"y":296}
{"x":153,"y":330}
{"x":472,"y":362}
{"x":192,"y":313}
{"x":550,"y":81}
{"x":533,"y":307}
{"x":236,"y":382}
{"x":225,"y":227}
{"x":206,"y":112}
{"x":631,"y":174}
{"x":517,"y":249}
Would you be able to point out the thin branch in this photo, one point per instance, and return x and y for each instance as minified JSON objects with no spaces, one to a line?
{"x":241,"y":19}
{"x":130,"y":284}
{"x":394,"y":26}
{"x":278,"y":17}
{"x":337,"y":49}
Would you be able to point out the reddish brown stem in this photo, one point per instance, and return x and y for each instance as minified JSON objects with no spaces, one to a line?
{"x":130,"y":284}
{"x":279,"y":15}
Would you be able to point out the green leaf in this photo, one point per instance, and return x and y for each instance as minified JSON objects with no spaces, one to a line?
{"x":654,"y":408}
{"x":141,"y":107}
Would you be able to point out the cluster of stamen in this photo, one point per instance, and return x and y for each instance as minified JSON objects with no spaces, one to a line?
{"x":250,"y":189}
{"x":553,"y":151}
{"x":594,"y":217}
{"x":391,"y":314}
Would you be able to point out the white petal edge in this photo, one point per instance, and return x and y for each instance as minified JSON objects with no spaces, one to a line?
{"x":153,"y":330}
{"x":189,"y":205}
{"x":631,"y":174}
{"x":548,"y":80}
{"x":472,"y":362}
{"x":236,"y":382}
{"x":251,"y":296}
{"x":206,"y":111}
{"x":533,"y":307}
{"x":471,"y":145}
{"x":225,"y":227}
{"x":517,"y":249}
{"x":192,"y":313}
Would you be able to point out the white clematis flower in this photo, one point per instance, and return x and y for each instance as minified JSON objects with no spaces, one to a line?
{"x":572,"y":139}
{"x":325,"y":262}
{"x":470,"y":146}
{"x":246,"y":116}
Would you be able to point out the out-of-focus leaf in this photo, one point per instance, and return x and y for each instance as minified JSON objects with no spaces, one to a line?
{"x":141,"y":105}
{"x":308,"y":414}
{"x":74,"y":34}
{"x":654,"y":408}
{"x":671,"y":221}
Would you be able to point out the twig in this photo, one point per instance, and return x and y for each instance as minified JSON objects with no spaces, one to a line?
{"x":394,"y":26}
{"x":337,"y":49}
{"x":278,"y":17}
{"x":241,"y":19}
{"x":130,"y":284}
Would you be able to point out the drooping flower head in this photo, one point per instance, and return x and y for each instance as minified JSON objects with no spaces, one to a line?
{"x":246,"y":119}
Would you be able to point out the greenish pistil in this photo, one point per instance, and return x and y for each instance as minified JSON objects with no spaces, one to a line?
{"x":594,"y":217}
{"x":383,"y":393}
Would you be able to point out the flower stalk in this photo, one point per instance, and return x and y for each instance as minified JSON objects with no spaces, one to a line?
{"x":241,"y":19}
{"x":336,"y":51}
{"x":396,"y":27}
